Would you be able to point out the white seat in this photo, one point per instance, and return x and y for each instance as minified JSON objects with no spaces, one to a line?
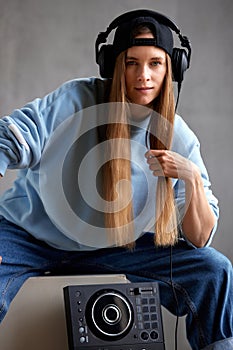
{"x":36,"y":318}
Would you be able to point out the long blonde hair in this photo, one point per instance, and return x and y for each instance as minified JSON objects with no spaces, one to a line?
{"x":119,"y":220}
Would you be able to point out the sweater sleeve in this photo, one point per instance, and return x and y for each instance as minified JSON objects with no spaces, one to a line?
{"x":23,"y":134}
{"x":21,"y":137}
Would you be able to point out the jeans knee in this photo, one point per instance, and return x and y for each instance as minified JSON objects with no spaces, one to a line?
{"x":215,"y":264}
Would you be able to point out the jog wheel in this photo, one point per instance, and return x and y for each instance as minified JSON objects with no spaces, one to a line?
{"x":109,"y":315}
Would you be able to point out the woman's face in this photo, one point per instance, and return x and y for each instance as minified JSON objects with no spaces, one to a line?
{"x":145,"y":72}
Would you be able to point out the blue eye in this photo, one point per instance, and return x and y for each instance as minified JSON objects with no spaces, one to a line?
{"x":155,"y":63}
{"x":130,"y":63}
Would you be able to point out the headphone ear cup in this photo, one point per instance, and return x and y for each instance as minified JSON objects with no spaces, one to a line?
{"x":179,"y":64}
{"x":106,"y":61}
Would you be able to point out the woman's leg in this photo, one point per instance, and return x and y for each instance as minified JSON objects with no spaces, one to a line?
{"x":202,"y":279}
{"x":22,"y":257}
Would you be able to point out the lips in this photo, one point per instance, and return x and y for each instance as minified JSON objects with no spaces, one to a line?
{"x":146,"y":88}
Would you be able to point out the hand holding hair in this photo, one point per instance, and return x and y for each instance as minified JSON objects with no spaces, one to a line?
{"x":171,"y":164}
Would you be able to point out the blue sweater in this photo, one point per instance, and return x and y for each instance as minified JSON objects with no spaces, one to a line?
{"x":57,"y":143}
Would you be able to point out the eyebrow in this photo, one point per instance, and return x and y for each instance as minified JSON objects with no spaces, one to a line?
{"x":152,"y":58}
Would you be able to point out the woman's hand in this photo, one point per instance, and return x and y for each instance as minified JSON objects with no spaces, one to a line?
{"x":170,"y":164}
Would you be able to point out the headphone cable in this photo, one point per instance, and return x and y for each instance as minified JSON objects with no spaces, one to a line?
{"x":175,"y":298}
{"x":179,"y":84}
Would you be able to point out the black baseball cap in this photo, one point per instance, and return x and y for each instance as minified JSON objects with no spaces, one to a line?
{"x":124,"y":39}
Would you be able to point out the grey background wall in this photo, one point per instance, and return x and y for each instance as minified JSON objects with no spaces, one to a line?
{"x":44,"y":43}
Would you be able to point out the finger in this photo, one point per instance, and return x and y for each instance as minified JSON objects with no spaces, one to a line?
{"x":153,"y":153}
{"x":155,"y":166}
{"x":159,"y":154}
{"x":156,"y":169}
{"x":153,"y":160}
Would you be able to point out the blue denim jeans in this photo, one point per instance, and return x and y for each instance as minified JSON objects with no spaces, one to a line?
{"x":202,"y":278}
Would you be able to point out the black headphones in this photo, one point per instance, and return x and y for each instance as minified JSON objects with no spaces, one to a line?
{"x":106,"y":59}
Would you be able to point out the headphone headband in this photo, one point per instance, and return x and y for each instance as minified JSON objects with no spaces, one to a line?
{"x":125,"y":17}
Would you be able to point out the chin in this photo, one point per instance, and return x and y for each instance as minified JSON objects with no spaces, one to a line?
{"x":142,"y":102}
{"x":146,"y":104}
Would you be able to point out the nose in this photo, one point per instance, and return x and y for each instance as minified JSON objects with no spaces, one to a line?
{"x":143,"y":73}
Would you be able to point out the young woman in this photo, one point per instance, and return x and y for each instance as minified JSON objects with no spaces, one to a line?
{"x":149,"y":196}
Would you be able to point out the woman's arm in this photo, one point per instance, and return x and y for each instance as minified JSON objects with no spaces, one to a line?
{"x":199,"y":219}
